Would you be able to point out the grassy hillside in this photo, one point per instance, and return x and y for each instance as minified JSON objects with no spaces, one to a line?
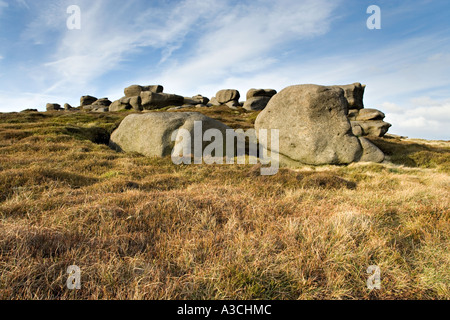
{"x":143,"y":228}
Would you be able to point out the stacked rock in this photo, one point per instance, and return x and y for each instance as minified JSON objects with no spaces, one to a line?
{"x":227,"y":97}
{"x":257,"y":99}
{"x":368,"y":122}
{"x":146,"y":98}
{"x":197,"y":101}
{"x":314,"y":128}
{"x":365,"y":122}
{"x":53,"y":107}
{"x":90,"y":103}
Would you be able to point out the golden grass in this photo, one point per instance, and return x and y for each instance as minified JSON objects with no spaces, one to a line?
{"x":143,"y":228}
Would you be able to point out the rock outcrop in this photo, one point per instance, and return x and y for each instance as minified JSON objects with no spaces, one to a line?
{"x":152,"y":100}
{"x":196,"y":100}
{"x":68,"y":107}
{"x":252,"y":93}
{"x":257,"y":99}
{"x":135,"y":90}
{"x":228,"y":97}
{"x":368,"y":122}
{"x":354,"y":93}
{"x":87,"y":100}
{"x":150,"y":134}
{"x":53,"y":107}
{"x":314,"y":127}
{"x":126,"y":103}
{"x":365,"y":122}
{"x":141,"y":98}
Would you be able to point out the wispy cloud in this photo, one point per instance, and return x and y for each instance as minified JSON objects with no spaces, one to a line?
{"x":3,"y":5}
{"x":219,"y":39}
{"x":83,"y":56}
{"x":243,"y":40}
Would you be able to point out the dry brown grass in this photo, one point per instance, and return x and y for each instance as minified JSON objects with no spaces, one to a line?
{"x":142,"y":228}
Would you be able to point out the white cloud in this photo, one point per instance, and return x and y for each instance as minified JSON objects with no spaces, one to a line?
{"x":228,"y":39}
{"x":29,"y":100}
{"x":3,"y":5}
{"x":424,"y":117}
{"x":108,"y":36}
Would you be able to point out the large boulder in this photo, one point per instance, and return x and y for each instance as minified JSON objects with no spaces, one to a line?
{"x":152,"y":100}
{"x":256,"y":103}
{"x":313,"y":125}
{"x":354,"y":93}
{"x":53,"y":107}
{"x":104,"y":102}
{"x":126,"y":103}
{"x":150,"y":134}
{"x":199,"y":99}
{"x":227,"y":95}
{"x":261,"y":93}
{"x":135,"y":90}
{"x":67,"y":107}
{"x":371,"y":153}
{"x":87,"y":100}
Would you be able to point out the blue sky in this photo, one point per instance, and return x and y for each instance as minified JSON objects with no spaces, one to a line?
{"x":201,"y":46}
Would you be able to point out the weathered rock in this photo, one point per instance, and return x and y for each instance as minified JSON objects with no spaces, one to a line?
{"x":256,"y":103}
{"x":90,"y":107}
{"x":233,"y":104}
{"x":354,"y":93}
{"x":371,"y":153}
{"x":214,"y":102}
{"x":135,"y":90}
{"x":53,"y":107}
{"x":105,"y":102}
{"x":373,"y":128}
{"x":87,"y":100}
{"x":352,"y":114}
{"x":357,"y":130}
{"x":120,"y":105}
{"x":313,"y":125}
{"x":136,"y":103}
{"x":175,"y":108}
{"x":370,"y":114}
{"x":101,"y":109}
{"x":67,"y":106}
{"x":190,"y":101}
{"x":200,"y":99}
{"x":224,"y":96}
{"x":30,"y":110}
{"x":261,"y":93}
{"x":152,"y":100}
{"x":201,"y":106}
{"x":150,"y":133}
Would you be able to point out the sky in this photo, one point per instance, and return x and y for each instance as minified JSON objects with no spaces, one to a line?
{"x":202,"y":46}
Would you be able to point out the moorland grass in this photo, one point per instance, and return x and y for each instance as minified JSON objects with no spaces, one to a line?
{"x":143,"y":228}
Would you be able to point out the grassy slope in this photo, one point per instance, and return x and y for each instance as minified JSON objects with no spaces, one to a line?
{"x":145,"y":228}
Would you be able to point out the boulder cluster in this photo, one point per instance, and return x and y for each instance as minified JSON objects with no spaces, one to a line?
{"x":365,"y":122}
{"x":314,"y":127}
{"x":317,"y":124}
